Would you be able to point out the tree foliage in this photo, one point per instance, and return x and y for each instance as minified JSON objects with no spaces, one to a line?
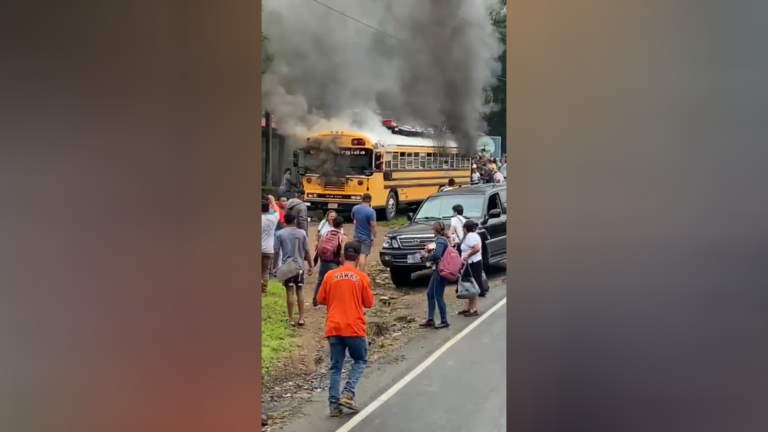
{"x":497,"y":119}
{"x":266,"y":56}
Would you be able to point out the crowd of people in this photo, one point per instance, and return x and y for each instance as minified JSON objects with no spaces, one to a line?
{"x":343,"y":285}
{"x":488,"y":169}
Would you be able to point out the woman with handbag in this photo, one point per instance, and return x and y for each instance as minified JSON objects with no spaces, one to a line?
{"x":437,"y":284}
{"x":471,"y":254}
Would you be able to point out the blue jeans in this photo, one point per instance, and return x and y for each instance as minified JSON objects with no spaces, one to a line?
{"x":325,"y":267}
{"x":358,"y":351}
{"x":436,"y":294}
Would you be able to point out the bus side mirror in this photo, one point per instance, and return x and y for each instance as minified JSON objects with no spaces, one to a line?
{"x":296,"y":158}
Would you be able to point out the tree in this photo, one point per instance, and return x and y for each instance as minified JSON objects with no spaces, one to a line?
{"x":497,"y":119}
{"x":266,"y":56}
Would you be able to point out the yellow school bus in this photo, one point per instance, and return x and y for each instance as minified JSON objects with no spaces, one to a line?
{"x":401,"y":168}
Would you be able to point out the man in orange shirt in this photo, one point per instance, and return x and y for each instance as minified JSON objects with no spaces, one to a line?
{"x":346,"y":291}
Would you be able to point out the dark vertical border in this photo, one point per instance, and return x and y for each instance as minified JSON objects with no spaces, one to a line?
{"x":129,"y":252}
{"x":638,"y":235}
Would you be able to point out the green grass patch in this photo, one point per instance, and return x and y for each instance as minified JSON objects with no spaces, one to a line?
{"x":397,"y":222}
{"x":276,"y":334}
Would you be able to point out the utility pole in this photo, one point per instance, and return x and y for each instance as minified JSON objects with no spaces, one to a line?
{"x":268,"y":165}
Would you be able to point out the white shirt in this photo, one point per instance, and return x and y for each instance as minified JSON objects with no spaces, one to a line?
{"x":457,"y":222}
{"x":268,"y":225}
{"x":475,"y":176}
{"x":498,"y":177}
{"x":469,"y":243}
{"x":324,"y":227}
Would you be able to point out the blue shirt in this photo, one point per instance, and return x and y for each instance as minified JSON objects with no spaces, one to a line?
{"x":363,"y":215}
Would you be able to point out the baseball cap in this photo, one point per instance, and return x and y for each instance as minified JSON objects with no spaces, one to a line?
{"x":352,"y":248}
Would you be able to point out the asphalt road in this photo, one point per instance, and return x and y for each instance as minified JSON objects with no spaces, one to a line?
{"x":464,"y":389}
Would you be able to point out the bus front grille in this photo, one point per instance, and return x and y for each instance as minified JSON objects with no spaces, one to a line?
{"x":335,"y":185}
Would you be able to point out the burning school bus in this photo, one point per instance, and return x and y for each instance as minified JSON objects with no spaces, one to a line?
{"x":400,"y":169}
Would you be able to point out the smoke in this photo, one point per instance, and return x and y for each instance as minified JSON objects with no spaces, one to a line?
{"x":430,"y":67}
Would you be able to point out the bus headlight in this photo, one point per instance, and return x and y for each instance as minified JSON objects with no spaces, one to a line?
{"x":311,"y":195}
{"x":356,"y":197}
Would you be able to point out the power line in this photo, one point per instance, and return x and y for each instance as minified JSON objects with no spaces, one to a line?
{"x":358,"y":21}
{"x":393,"y":37}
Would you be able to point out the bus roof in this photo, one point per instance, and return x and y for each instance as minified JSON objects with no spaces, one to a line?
{"x":391,"y":140}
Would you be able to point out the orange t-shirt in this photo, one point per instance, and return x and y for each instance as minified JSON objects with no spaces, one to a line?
{"x":346,"y":291}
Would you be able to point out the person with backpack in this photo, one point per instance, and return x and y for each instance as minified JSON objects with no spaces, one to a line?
{"x":437,"y":284}
{"x":326,"y":224}
{"x":294,"y":246}
{"x":298,"y":207}
{"x":329,"y":252}
{"x":456,"y":232}
{"x":471,"y":255}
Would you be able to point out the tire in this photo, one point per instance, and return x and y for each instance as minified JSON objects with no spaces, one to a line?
{"x":390,"y":211}
{"x":400,"y":277}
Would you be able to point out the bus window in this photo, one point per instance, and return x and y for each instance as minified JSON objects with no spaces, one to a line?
{"x":388,"y":160}
{"x":422,"y":160}
{"x":429,"y":160}
{"x":402,"y":160}
{"x":409,"y":160}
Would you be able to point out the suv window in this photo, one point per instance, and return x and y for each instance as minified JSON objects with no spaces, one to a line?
{"x":503,"y":197}
{"x":494,"y":202}
{"x":441,"y":207}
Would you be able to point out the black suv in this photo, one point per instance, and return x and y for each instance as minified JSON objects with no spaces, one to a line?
{"x":485,"y":204}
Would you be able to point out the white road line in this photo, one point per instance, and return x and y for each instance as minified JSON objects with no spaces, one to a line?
{"x":414,"y":373}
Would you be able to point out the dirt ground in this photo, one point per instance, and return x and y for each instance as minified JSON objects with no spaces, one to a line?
{"x":391,"y":323}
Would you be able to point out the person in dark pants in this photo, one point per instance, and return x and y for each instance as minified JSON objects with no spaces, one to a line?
{"x":437,"y":284}
{"x":337,"y":237}
{"x":346,"y":291}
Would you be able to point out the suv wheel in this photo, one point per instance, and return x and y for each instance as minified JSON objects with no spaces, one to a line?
{"x":400,"y":277}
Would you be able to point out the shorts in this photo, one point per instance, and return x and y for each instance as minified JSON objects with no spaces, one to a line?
{"x":365,"y":246}
{"x":296,"y":281}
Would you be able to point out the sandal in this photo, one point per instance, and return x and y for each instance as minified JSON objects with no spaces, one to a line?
{"x":464,"y":312}
{"x":301,"y":323}
{"x":292,"y":323}
{"x":471,"y":314}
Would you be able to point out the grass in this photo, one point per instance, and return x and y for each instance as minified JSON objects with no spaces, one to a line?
{"x":276,"y":335}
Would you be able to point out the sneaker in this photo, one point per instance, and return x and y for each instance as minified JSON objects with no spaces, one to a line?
{"x":336,"y":412}
{"x":348,"y":401}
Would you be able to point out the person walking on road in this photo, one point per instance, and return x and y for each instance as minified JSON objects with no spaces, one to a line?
{"x":451,"y":185}
{"x":498,"y":177}
{"x":471,"y":254}
{"x":436,"y":288}
{"x":329,"y":253}
{"x":325,"y":224}
{"x":456,"y":231}
{"x":346,"y":291}
{"x":364,"y":218}
{"x":294,"y":245}
{"x":287,"y":183}
{"x":298,"y":207}
{"x":269,"y":221}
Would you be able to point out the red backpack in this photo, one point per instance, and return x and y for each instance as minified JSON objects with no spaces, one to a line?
{"x":326,"y":250}
{"x":450,"y":264}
